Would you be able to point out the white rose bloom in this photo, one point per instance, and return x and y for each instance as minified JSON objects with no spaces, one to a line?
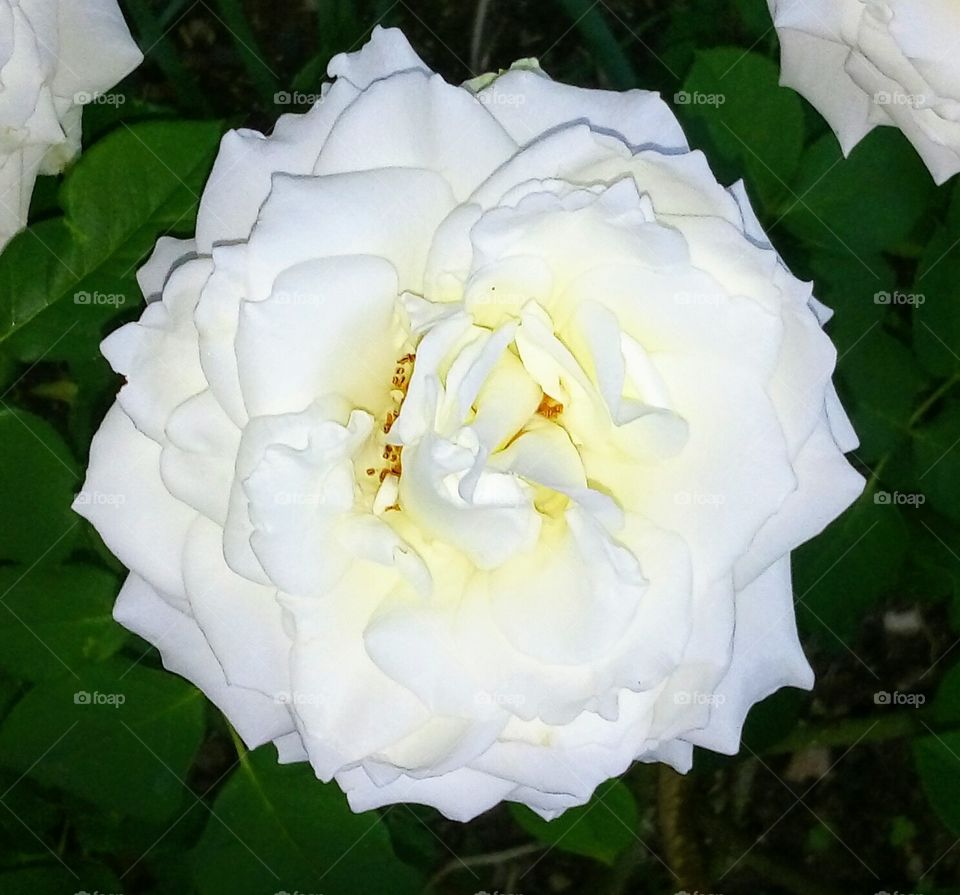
{"x":867,"y":62}
{"x":55,"y":56}
{"x":464,"y":449}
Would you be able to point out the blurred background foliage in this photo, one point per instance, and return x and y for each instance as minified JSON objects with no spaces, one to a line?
{"x":853,"y":788}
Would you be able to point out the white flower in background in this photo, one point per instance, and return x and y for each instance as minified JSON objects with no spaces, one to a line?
{"x":55,"y":57}
{"x":867,"y":62}
{"x":463,"y":451}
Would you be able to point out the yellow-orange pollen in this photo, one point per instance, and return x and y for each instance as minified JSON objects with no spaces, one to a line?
{"x":549,"y":409}
{"x":391,"y":452}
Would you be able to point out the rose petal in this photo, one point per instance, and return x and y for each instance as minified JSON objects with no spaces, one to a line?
{"x":185,"y":651}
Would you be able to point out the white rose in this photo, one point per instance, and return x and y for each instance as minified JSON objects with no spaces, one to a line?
{"x":463,"y":451}
{"x":55,"y":56}
{"x":869,"y":62}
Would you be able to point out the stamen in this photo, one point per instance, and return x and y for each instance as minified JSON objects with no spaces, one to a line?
{"x":390,"y":455}
{"x":549,"y":409}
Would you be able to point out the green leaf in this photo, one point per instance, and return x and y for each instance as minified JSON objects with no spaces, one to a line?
{"x":936,"y":452}
{"x":751,"y":120}
{"x":938,"y":764}
{"x":9,"y":693}
{"x":936,"y":321}
{"x":36,"y":490}
{"x":882,"y":379}
{"x":27,"y":803}
{"x":63,"y":280}
{"x":276,"y":827}
{"x":945,"y":707}
{"x":755,"y":15}
{"x":56,"y":619}
{"x":842,"y":282}
{"x":58,"y":878}
{"x":601,"y":829}
{"x":842,"y":573}
{"x":119,"y":736}
{"x":848,"y":204}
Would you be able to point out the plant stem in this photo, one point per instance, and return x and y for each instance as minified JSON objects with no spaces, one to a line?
{"x":921,"y":411}
{"x":893,"y":726}
{"x":678,"y":835}
{"x":483,"y":860}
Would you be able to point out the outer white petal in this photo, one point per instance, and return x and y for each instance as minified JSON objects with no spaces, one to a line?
{"x":766,"y":656}
{"x":242,"y":174}
{"x":240,"y":620}
{"x":936,"y":140}
{"x":826,"y":485}
{"x":816,"y":68}
{"x":217,"y":317}
{"x":18,"y":173}
{"x":96,"y":49}
{"x":750,"y":223}
{"x":184,"y":650}
{"x":390,"y":213}
{"x":681,"y":704}
{"x":26,"y":103}
{"x":54,"y":56}
{"x":166,"y":255}
{"x":127,"y":502}
{"x":863,"y":64}
{"x":459,"y":795}
{"x":528,"y":104}
{"x":247,"y":161}
{"x":833,"y":19}
{"x":573,"y":759}
{"x":290,"y":748}
{"x":413,"y":120}
{"x":387,"y":52}
{"x":199,"y":455}
{"x":159,"y":354}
